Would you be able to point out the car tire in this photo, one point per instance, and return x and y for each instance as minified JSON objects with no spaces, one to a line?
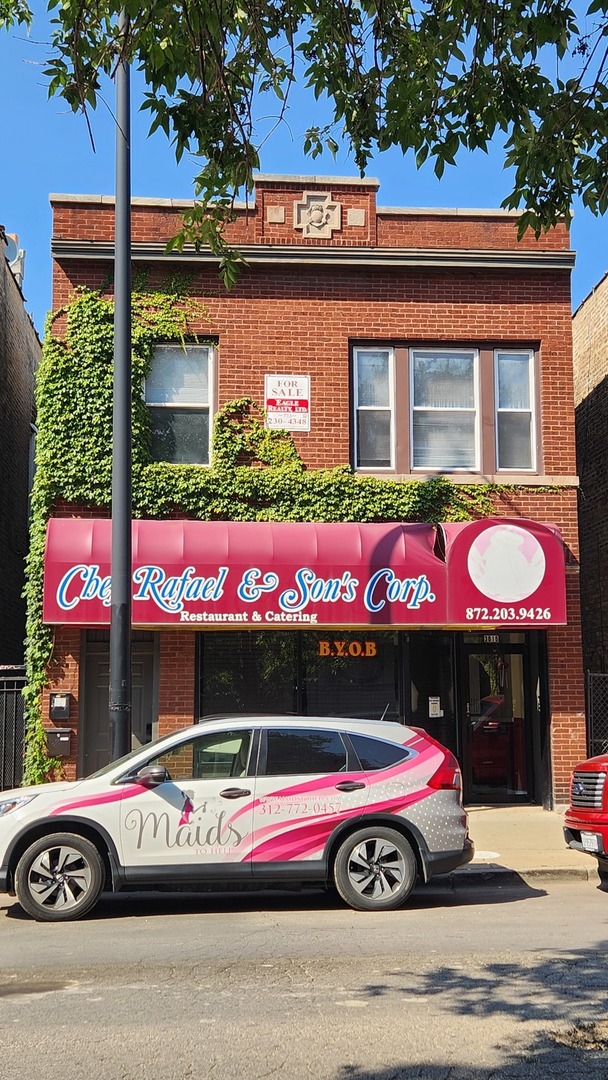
{"x":375,"y":869}
{"x":59,"y":877}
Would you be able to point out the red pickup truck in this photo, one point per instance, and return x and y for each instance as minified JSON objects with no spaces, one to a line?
{"x":586,"y":819}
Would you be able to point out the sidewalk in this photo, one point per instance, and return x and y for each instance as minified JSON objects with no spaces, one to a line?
{"x":526,"y":843}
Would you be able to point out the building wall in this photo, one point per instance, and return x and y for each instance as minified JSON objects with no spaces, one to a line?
{"x":304,"y":318}
{"x":19,"y":356}
{"x":590,"y":352}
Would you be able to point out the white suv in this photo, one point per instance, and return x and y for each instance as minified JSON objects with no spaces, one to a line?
{"x":365,"y":805}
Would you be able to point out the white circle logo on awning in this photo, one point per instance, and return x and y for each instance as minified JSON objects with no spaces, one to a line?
{"x":506,"y":563}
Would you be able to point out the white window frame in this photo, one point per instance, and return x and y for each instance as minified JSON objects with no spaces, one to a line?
{"x":532,"y":409}
{"x":433,"y":350}
{"x":209,"y":406}
{"x":374,"y":408}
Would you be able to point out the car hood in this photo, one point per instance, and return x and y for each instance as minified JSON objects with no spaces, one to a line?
{"x":39,"y":789}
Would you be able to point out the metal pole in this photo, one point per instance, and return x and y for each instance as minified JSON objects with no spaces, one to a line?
{"x":120,"y":625}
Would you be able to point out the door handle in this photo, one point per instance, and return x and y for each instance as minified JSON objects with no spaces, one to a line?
{"x":234,"y":793}
{"x":350,"y":785}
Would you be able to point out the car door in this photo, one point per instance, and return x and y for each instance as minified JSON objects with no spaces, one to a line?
{"x":308,"y":783}
{"x":198,"y":823}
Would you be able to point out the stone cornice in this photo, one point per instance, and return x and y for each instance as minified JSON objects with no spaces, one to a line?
{"x":317,"y":255}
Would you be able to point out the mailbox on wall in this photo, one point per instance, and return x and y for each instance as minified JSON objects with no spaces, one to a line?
{"x":58,"y":741}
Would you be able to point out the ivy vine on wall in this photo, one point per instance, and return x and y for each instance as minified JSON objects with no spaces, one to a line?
{"x":255,"y":475}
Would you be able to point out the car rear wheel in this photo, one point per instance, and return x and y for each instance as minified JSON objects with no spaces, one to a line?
{"x":59,"y":877}
{"x":375,"y":869}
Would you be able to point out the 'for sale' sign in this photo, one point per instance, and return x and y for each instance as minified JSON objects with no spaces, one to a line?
{"x":287,"y":400}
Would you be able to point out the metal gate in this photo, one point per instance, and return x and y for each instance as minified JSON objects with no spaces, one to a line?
{"x":12,"y":726}
{"x":597,"y":696}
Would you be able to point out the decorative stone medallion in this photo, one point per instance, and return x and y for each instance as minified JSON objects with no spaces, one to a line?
{"x":317,"y":215}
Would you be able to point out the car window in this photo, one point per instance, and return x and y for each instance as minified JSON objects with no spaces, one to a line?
{"x":293,"y":752}
{"x":209,"y":756}
{"x":374,"y":754}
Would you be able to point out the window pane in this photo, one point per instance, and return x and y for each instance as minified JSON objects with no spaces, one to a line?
{"x":221,"y":754}
{"x":374,"y":754}
{"x":358,"y":676}
{"x":373,"y":439}
{"x":248,"y":672}
{"x":179,"y":376}
{"x":444,"y":380}
{"x":513,"y":381}
{"x":373,"y":378}
{"x":180,"y":436}
{"x":291,"y":753}
{"x":444,"y":440}
{"x":514,"y":440}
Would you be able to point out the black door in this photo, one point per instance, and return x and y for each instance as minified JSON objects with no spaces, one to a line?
{"x":496,"y":718}
{"x":95,"y":724}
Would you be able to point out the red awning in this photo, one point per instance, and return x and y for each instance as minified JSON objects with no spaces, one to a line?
{"x":284,"y":574}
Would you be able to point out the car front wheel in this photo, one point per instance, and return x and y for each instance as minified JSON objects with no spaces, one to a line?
{"x":59,"y":877}
{"x":375,"y":869}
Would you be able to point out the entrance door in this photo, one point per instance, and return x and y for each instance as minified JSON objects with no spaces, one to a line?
{"x":496,"y":748}
{"x":95,"y":749}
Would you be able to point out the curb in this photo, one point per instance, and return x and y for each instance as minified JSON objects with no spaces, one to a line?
{"x":500,"y":875}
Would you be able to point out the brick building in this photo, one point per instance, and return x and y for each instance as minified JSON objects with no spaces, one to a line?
{"x":406,"y":344}
{"x":19,"y":356}
{"x":590,"y":354}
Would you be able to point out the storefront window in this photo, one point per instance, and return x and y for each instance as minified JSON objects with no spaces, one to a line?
{"x":248,"y":672}
{"x":311,"y":673}
{"x":350,"y":674}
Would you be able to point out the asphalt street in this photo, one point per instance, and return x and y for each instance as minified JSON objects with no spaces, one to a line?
{"x":471,"y":984}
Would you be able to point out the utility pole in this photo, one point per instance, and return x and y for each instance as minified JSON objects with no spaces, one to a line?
{"x":120,"y":624}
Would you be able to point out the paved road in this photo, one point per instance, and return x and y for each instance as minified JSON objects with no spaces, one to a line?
{"x":465,"y":985}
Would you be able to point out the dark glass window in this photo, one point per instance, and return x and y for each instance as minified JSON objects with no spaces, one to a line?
{"x":350,"y":674}
{"x":180,"y":436}
{"x":248,"y":671}
{"x":291,"y":752}
{"x":374,"y":754}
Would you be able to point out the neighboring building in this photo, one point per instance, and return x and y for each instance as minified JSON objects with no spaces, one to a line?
{"x":590,"y":353}
{"x":408,"y":344}
{"x":19,"y":356}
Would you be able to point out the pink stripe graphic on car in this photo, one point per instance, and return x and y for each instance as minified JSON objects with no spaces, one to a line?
{"x":423,"y":763}
{"x":308,"y":835}
{"x":100,"y":800}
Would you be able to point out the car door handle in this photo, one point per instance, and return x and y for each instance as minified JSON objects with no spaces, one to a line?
{"x":234,"y":793}
{"x":350,"y":785}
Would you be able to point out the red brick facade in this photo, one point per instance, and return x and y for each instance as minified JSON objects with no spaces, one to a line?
{"x":456,"y":278}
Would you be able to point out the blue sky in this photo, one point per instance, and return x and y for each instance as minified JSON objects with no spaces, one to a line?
{"x":46,"y":148}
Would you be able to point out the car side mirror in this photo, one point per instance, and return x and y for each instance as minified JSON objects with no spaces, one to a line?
{"x":151,"y":776}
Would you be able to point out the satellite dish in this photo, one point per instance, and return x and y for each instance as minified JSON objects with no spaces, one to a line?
{"x":11,"y":250}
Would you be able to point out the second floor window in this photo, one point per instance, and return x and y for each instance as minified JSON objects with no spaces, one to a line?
{"x":443,"y":409}
{"x":178,"y":395}
{"x":514,"y":417}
